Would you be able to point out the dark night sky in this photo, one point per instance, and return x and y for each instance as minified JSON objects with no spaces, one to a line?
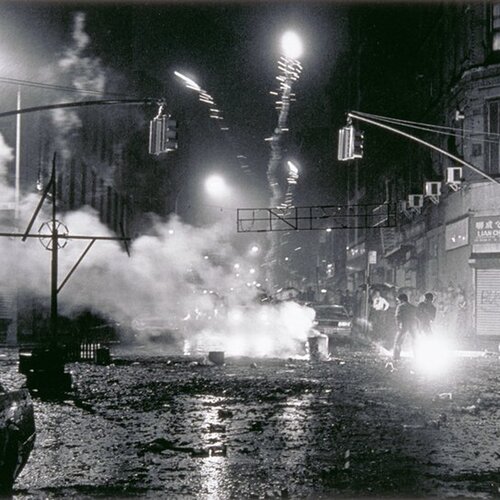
{"x":230,"y":49}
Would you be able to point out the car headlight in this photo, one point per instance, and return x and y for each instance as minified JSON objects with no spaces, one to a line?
{"x":344,"y":324}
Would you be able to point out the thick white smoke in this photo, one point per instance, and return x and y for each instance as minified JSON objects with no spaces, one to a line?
{"x":87,"y":71}
{"x":6,"y":156}
{"x":181,"y":276}
{"x":83,"y":71}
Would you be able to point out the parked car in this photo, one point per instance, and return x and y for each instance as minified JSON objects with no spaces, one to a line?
{"x":333,"y":321}
{"x":154,"y":329}
{"x":17,"y":435}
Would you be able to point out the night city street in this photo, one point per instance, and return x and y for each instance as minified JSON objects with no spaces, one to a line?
{"x":249,"y":249}
{"x":268,"y":428}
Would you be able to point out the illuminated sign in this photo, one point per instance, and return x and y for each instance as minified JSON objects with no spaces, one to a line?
{"x":485,"y":229}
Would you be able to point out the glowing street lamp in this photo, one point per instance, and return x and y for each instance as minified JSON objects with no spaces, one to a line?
{"x":190,"y":84}
{"x":216,"y":186}
{"x":291,"y":45}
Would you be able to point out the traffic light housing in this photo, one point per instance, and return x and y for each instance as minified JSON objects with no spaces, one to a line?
{"x":171,"y":134}
{"x":358,"y":139}
{"x":350,"y":144}
{"x":162,"y":134}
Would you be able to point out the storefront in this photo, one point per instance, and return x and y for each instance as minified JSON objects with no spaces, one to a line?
{"x":485,"y":260}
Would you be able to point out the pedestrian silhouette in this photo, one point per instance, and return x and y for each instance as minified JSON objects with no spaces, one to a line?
{"x":406,"y":322}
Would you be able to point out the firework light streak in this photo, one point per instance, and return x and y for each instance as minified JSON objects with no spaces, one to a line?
{"x":293,"y":176}
{"x":289,"y":72}
{"x":215,"y":112}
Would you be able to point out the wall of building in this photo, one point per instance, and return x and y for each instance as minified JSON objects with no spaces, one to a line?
{"x":440,"y":68}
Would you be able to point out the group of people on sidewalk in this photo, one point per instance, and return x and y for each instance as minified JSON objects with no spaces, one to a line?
{"x":412,"y":320}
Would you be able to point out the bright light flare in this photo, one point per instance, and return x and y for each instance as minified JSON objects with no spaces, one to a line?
{"x":190,"y":83}
{"x":291,"y":45}
{"x":293,"y":168}
{"x":215,"y":185}
{"x":434,"y":355}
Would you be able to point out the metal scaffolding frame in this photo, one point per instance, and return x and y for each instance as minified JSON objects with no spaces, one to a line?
{"x":259,"y":220}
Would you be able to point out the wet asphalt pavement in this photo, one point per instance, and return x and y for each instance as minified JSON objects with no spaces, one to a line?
{"x":170,"y":427}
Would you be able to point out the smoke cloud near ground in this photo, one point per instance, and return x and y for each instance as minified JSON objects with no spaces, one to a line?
{"x":178,"y":278}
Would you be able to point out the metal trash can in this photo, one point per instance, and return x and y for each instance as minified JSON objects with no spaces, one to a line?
{"x":318,"y":348}
{"x":216,"y":357}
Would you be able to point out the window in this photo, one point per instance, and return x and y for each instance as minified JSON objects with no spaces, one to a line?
{"x":492,"y":140}
{"x":495,"y":27}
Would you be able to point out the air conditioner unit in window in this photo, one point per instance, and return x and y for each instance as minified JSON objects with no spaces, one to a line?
{"x":454,"y":175}
{"x":432,"y":189}
{"x":415,"y":200}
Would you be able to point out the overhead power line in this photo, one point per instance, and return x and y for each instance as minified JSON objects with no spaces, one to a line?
{"x":433,"y":128}
{"x":60,"y":88}
{"x":80,"y":104}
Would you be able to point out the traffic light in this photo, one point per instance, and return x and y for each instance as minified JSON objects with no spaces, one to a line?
{"x":171,"y":134}
{"x":162,"y":134}
{"x":350,"y":144}
{"x":357,"y":150}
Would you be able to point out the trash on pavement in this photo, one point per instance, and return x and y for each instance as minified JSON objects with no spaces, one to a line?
{"x":445,"y":395}
{"x":412,"y":426}
{"x":318,"y":347}
{"x":389,"y":367}
{"x":470,"y":409}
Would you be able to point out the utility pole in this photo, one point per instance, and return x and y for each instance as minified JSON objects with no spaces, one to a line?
{"x":54,"y":261}
{"x":18,"y":153}
{"x":12,"y":329}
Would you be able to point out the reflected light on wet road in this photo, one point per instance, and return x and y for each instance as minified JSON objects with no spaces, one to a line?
{"x":294,"y":424}
{"x":212,"y":468}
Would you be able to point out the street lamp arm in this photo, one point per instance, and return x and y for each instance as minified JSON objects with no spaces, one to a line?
{"x":79,"y":104}
{"x":355,"y":116}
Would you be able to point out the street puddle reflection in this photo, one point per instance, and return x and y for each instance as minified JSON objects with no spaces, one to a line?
{"x":212,"y":463}
{"x":294,"y":425}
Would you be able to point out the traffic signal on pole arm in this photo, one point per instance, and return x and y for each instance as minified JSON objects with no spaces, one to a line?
{"x":350,"y":144}
{"x":171,"y":134}
{"x":358,"y":144}
{"x":162,"y":134}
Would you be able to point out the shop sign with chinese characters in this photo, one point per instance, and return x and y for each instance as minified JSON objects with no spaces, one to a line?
{"x":486,"y":230}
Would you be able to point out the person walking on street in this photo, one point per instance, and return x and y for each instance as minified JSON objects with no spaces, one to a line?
{"x":407,"y":322}
{"x":379,"y":308}
{"x":426,"y":313}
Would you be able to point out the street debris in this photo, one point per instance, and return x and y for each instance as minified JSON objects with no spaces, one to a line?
{"x":445,"y":395}
{"x":171,"y":426}
{"x":225,"y":413}
{"x":390,"y":367}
